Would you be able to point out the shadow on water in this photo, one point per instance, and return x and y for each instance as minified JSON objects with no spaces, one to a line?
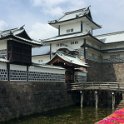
{"x":71,"y":115}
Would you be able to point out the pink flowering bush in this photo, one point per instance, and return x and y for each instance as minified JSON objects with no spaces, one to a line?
{"x":116,"y":118}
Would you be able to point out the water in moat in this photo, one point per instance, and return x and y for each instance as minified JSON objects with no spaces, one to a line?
{"x":71,"y":115}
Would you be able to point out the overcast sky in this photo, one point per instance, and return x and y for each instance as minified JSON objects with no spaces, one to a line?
{"x":35,"y":14}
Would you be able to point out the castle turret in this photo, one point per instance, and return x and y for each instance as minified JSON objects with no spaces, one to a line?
{"x":75,"y":22}
{"x":16,"y":46}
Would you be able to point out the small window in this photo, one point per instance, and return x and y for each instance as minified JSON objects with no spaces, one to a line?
{"x":60,"y":44}
{"x":69,"y":30}
{"x":76,"y":42}
{"x":40,"y":61}
{"x":72,"y":42}
{"x":57,"y":45}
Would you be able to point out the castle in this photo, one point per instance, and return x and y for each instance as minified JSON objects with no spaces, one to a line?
{"x":38,"y":77}
{"x":88,"y":57}
{"x":104,"y":54}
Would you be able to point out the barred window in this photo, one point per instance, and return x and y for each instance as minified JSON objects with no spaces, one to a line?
{"x":72,"y":42}
{"x":59,"y":44}
{"x":76,"y":42}
{"x":69,"y":30}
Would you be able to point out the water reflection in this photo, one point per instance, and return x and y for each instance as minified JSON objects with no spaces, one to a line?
{"x":96,"y":114}
{"x":72,"y":115}
{"x":81,"y":115}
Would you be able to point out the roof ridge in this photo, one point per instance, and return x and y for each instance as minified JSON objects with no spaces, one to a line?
{"x":13,"y":29}
{"x":110,"y":33}
{"x":9,"y":29}
{"x":82,"y":9}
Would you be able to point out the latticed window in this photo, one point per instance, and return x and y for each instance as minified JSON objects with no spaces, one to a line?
{"x":19,"y":53}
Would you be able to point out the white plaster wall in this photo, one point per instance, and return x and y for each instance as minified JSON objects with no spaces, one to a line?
{"x":93,"y":44}
{"x":75,"y":26}
{"x":46,"y":70}
{"x":55,"y":47}
{"x":18,"y":67}
{"x":86,"y":28}
{"x":68,"y":44}
{"x":3,"y":44}
{"x":76,"y":46}
{"x":3,"y":65}
{"x":40,"y":59}
{"x":114,"y":45}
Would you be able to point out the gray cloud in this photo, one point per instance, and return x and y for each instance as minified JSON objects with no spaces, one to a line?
{"x":3,"y":25}
{"x":57,"y":7}
{"x":32,"y":13}
{"x":41,"y":30}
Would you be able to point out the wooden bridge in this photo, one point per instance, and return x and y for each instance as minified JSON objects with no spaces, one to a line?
{"x":112,"y":86}
{"x":98,"y":86}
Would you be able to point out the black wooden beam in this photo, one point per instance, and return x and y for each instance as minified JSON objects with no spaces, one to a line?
{"x":8,"y":71}
{"x":50,"y":51}
{"x":84,"y":48}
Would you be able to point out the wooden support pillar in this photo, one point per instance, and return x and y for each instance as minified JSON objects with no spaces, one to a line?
{"x":50,"y":51}
{"x":96,"y":114}
{"x":85,"y":49}
{"x":81,"y":101}
{"x":27,"y":72}
{"x":96,"y":99}
{"x":8,"y":71}
{"x":59,"y":30}
{"x":113,"y":100}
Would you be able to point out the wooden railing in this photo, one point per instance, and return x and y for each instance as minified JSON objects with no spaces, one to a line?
{"x":98,"y":86}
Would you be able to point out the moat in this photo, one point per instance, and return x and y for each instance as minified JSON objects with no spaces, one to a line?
{"x":71,"y":115}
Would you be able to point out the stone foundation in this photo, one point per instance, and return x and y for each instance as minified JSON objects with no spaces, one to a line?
{"x":113,"y":72}
{"x":19,"y":99}
{"x":106,"y":72}
{"x":94,"y":71}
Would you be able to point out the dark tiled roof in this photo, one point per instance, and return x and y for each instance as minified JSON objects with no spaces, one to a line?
{"x":18,"y":33}
{"x":74,"y":14}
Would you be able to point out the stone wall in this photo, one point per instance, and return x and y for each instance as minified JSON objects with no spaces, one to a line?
{"x":19,"y":99}
{"x":94,"y":71}
{"x":108,"y":72}
{"x":113,"y":72}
